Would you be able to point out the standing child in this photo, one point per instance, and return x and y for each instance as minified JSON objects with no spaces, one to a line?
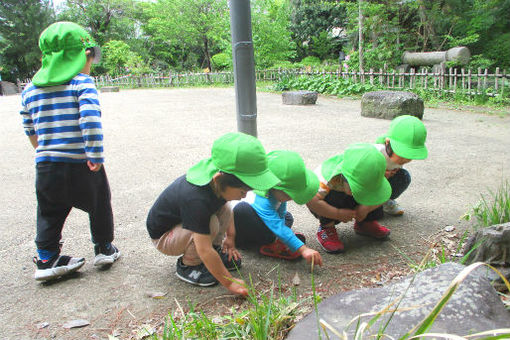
{"x":352,"y":186}
{"x":62,"y":118}
{"x":404,"y":142}
{"x":262,"y":219}
{"x":192,"y":215}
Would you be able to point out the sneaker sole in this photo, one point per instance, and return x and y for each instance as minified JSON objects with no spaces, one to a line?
{"x":53,"y":273}
{"x":370,"y":235}
{"x":104,"y":260}
{"x":195,"y":283}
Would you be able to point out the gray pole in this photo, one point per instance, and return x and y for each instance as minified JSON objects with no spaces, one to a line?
{"x":244,"y":66}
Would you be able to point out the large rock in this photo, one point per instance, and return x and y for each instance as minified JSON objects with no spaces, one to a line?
{"x":299,"y":97}
{"x":490,"y":245}
{"x":109,"y":89}
{"x":390,"y":104}
{"x":474,"y":307}
{"x":7,"y":88}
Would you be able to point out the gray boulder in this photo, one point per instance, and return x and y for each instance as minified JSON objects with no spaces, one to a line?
{"x":109,"y":89}
{"x":299,"y":97}
{"x":7,"y":88}
{"x":474,"y":307}
{"x":492,"y":245}
{"x":391,"y":104}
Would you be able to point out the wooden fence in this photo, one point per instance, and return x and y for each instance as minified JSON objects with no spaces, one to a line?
{"x":452,"y":80}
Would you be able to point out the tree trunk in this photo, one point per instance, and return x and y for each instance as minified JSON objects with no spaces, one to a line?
{"x":207,"y":54}
{"x":360,"y":35}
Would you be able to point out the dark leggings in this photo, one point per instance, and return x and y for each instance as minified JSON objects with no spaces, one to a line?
{"x":251,"y":231}
{"x":63,"y":186}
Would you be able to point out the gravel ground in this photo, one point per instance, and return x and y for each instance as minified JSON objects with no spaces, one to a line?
{"x":154,"y":136}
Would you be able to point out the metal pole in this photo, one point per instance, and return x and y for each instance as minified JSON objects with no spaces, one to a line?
{"x":244,"y":66}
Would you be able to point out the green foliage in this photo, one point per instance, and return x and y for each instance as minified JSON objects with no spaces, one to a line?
{"x":312,"y":26}
{"x":185,"y":33}
{"x":268,"y":316}
{"x":221,"y":61}
{"x":106,"y":19}
{"x":115,"y":56}
{"x":326,"y":84}
{"x":494,"y":209}
{"x":310,"y":61}
{"x":272,"y":42}
{"x":21,"y":23}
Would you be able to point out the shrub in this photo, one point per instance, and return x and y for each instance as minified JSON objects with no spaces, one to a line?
{"x":221,"y":61}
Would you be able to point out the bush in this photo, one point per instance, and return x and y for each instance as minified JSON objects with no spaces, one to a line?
{"x":326,"y":84}
{"x":221,"y":61}
{"x":310,"y":61}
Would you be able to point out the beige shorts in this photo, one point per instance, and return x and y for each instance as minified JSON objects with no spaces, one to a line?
{"x":179,"y":241}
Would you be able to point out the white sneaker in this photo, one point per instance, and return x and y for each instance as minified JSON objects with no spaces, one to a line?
{"x":392,"y":208}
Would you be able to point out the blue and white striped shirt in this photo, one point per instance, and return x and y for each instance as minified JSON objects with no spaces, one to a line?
{"x":66,"y":119}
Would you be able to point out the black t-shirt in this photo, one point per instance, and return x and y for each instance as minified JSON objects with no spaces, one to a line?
{"x":186,"y":203}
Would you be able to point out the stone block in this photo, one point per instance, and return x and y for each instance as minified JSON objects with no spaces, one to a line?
{"x":299,"y":97}
{"x":391,"y":104}
{"x":109,"y":89}
{"x":7,"y":88}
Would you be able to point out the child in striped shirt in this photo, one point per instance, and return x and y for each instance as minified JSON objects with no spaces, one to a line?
{"x":62,"y":119}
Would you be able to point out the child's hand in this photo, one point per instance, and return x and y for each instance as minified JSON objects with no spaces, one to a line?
{"x":238,"y":287}
{"x":94,"y":166}
{"x":346,"y":215}
{"x":230,"y":248}
{"x":311,"y":254}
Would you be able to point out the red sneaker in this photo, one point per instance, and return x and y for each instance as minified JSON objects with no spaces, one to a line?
{"x":371,"y":228}
{"x":328,"y":239}
{"x":278,"y":249}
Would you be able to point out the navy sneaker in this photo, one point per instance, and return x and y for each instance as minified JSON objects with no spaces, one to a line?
{"x":106,"y":254}
{"x":231,"y":265}
{"x":57,"y":266}
{"x":196,"y":275}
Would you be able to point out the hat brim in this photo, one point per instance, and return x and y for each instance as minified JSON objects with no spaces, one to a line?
{"x":202,"y":172}
{"x":307,"y":193}
{"x":261,"y":181}
{"x":374,"y":196}
{"x":60,"y":67}
{"x":405,"y":151}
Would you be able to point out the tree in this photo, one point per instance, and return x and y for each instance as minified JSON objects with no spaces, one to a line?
{"x":310,"y":20}
{"x":21,"y":23}
{"x":272,"y":39}
{"x":187,"y":32}
{"x":105,"y":19}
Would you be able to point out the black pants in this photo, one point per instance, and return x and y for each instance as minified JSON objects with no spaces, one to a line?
{"x":251,"y":231}
{"x":63,"y":186}
{"x":399,"y":183}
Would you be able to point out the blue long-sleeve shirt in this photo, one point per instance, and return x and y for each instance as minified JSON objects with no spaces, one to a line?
{"x":272,"y":213}
{"x":66,"y":119}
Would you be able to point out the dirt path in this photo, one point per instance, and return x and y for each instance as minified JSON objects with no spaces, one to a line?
{"x":153,"y":136}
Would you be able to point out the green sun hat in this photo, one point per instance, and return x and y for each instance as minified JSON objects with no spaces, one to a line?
{"x":363,"y":166}
{"x":63,"y":46}
{"x":300,"y":183}
{"x":238,"y":154}
{"x":407,"y":135}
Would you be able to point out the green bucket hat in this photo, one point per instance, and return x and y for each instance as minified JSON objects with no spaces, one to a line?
{"x":63,"y":46}
{"x":363,"y":166}
{"x":300,"y":183}
{"x":240,"y":155}
{"x":407,"y":135}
